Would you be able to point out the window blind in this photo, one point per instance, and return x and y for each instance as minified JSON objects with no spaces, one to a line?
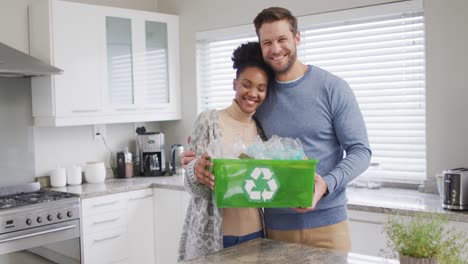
{"x":380,"y":56}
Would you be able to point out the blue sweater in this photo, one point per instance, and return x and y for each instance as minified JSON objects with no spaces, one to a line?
{"x":320,"y":109}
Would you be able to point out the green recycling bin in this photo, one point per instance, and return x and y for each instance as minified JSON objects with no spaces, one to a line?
{"x":263,"y":183}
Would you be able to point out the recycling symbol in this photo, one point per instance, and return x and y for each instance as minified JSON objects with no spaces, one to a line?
{"x":260,"y":185}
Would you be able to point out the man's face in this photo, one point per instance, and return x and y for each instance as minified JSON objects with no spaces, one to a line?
{"x":278,"y":45}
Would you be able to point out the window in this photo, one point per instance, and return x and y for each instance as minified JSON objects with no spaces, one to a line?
{"x":378,"y":50}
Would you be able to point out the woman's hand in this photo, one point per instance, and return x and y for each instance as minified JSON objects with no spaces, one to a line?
{"x":203,"y":175}
{"x":187,"y":157}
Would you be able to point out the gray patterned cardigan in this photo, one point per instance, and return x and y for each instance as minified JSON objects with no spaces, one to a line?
{"x":202,"y":233}
{"x":203,"y":227}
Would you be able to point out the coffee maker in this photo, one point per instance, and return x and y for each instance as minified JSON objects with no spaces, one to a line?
{"x":150,"y":149}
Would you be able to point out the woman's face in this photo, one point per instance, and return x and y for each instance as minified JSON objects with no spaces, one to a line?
{"x":251,"y":88}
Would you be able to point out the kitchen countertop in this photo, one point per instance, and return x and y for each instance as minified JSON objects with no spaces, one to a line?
{"x":116,"y":185}
{"x":272,"y":251}
{"x":383,"y":200}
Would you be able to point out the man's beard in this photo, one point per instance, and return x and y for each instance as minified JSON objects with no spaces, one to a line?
{"x":285,"y":69}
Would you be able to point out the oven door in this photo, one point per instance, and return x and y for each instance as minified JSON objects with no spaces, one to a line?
{"x":55,"y":243}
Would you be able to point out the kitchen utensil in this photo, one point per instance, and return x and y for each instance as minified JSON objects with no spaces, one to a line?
{"x":95,"y":172}
{"x":124,"y":164}
{"x":58,"y":177}
{"x":74,"y":175}
{"x":456,"y":189}
{"x":176,"y":159}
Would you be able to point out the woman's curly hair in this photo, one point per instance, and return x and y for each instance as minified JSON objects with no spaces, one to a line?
{"x":249,"y":55}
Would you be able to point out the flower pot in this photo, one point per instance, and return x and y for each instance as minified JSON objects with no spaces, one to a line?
{"x":410,"y":260}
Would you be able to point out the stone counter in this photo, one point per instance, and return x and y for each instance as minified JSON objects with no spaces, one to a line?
{"x":115,"y":185}
{"x":272,"y":252}
{"x":383,"y":200}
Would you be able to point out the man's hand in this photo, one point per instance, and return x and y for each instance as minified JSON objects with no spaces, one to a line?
{"x":203,"y":175}
{"x":187,"y":157}
{"x":320,"y":189}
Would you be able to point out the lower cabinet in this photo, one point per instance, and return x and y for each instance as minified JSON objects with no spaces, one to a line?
{"x":367,"y":232}
{"x":368,"y":235}
{"x":170,"y":207}
{"x":118,"y":228}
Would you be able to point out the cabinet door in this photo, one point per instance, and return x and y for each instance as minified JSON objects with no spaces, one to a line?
{"x":168,"y":221}
{"x":78,"y":45}
{"x":105,"y":247}
{"x":119,"y":52}
{"x":140,"y":227}
{"x":156,"y":66}
{"x":367,"y":232}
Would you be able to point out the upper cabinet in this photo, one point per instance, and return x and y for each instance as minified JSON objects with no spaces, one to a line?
{"x":119,"y":65}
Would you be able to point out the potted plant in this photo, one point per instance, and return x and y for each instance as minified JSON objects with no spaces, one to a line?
{"x":426,"y":238}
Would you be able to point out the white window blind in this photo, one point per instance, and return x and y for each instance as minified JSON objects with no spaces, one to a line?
{"x":379,"y":51}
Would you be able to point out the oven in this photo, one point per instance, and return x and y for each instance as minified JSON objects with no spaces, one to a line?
{"x":40,"y":227}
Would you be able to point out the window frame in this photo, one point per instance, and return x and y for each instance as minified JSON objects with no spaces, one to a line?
{"x":244,"y":31}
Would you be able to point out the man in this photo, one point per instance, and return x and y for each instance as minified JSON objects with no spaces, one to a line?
{"x":320,"y":109}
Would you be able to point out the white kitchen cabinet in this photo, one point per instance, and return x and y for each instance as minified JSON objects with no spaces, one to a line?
{"x":367,"y":232}
{"x":170,"y":207}
{"x":368,"y":236}
{"x":140,"y":227}
{"x":118,"y":228}
{"x":120,"y":65}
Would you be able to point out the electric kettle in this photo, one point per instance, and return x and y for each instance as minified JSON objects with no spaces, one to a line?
{"x":176,"y":159}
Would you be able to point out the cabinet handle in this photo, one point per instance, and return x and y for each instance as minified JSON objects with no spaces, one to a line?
{"x":86,"y":110}
{"x":38,"y":233}
{"x":155,"y":107}
{"x":105,"y":221}
{"x":365,"y":221}
{"x":126,"y":109}
{"x":142,"y":197}
{"x":119,"y":260}
{"x":107,"y":238}
{"x":103,"y":204}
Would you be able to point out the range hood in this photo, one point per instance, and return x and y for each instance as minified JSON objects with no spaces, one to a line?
{"x":14,"y":63}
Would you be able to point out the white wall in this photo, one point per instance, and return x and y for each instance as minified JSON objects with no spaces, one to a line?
{"x":446,"y":54}
{"x":446,"y":82}
{"x":26,"y":151}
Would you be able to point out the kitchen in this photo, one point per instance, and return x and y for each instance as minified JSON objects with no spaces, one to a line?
{"x":29,"y":151}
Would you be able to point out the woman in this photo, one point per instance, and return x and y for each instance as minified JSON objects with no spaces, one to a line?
{"x":207,"y":228}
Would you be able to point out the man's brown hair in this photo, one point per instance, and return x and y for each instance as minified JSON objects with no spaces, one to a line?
{"x":273,"y":14}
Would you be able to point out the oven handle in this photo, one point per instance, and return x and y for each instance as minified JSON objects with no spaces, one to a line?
{"x":38,"y":233}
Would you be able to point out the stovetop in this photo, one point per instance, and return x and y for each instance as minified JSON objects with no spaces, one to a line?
{"x":23,"y":199}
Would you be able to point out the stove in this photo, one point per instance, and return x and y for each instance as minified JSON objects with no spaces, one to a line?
{"x":41,"y":196}
{"x":37,"y":218}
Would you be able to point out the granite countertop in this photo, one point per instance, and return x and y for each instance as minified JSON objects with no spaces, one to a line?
{"x":383,"y":200}
{"x":116,"y":185}
{"x":400,"y":201}
{"x":272,"y":251}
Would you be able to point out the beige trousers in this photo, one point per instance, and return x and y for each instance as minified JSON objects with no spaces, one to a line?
{"x":333,"y":236}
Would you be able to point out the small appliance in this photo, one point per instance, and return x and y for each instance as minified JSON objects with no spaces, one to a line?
{"x":176,"y":159}
{"x":150,"y":148}
{"x":456,"y":189}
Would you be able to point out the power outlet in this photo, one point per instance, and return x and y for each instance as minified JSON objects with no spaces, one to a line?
{"x":99,"y":132}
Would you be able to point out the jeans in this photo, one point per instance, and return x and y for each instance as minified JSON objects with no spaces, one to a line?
{"x":229,"y":241}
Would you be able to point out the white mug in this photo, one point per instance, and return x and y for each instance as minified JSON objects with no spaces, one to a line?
{"x":74,"y":175}
{"x":58,"y":177}
{"x":95,"y":172}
